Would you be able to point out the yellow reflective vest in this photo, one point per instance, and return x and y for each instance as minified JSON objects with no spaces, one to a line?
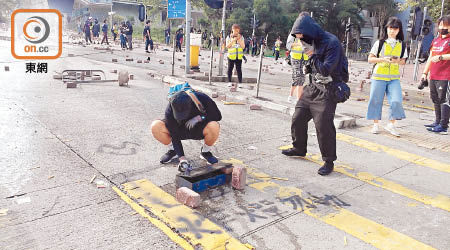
{"x":297,"y":52}
{"x":277,"y":46}
{"x":388,"y":71}
{"x":235,"y":52}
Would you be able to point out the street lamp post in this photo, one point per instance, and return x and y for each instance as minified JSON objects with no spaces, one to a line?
{"x":222,"y":40}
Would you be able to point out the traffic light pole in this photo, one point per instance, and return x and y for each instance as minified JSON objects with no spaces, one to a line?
{"x":348,"y":37}
{"x":188,"y":37}
{"x":222,"y":40}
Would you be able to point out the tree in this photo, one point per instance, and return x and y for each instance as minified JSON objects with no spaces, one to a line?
{"x":434,"y":7}
{"x":383,"y":9}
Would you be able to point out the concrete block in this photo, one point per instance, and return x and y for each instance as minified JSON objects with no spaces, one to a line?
{"x":129,"y":59}
{"x":146,"y":61}
{"x":6,"y":68}
{"x":255,"y":107}
{"x":71,"y":55}
{"x":188,"y":197}
{"x":139,"y":61}
{"x":114,"y":60}
{"x":161,"y":62}
{"x":71,"y":85}
{"x":131,"y":76}
{"x":341,"y":121}
{"x":215,"y":95}
{"x":239,"y":177}
{"x":123,"y":78}
{"x":114,"y":71}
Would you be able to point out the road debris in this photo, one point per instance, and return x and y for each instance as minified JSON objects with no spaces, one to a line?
{"x":93,"y":178}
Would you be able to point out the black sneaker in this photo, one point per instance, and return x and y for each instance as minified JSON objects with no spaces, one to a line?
{"x":168,"y":157}
{"x":326,"y":169}
{"x":209,"y":157}
{"x":293,"y":152}
{"x":432,"y":125}
{"x":147,"y":51}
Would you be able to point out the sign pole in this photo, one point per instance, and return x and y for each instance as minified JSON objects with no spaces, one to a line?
{"x":188,"y":37}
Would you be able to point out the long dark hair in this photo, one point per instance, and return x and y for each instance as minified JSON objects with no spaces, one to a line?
{"x":393,"y":22}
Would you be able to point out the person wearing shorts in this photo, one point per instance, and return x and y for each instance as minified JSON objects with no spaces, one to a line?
{"x":298,"y":59}
{"x":184,"y":121}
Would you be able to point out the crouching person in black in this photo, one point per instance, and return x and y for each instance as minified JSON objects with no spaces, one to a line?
{"x":189,"y":115}
{"x":318,"y":101}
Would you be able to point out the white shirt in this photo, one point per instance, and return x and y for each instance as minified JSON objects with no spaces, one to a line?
{"x":391,"y":42}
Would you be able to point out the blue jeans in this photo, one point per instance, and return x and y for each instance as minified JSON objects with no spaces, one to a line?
{"x":393,"y":91}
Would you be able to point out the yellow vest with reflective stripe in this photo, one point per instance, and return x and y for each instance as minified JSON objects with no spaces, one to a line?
{"x":297,"y":52}
{"x":235,"y":52}
{"x":388,"y":71}
{"x":277,"y":46}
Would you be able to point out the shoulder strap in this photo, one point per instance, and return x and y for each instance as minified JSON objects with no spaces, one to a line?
{"x":380,"y":46}
{"x":196,"y":101}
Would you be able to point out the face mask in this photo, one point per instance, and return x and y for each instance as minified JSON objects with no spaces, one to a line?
{"x":307,"y":39}
{"x":443,"y":32}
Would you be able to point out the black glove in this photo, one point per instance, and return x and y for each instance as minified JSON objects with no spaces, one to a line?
{"x":193,"y":122}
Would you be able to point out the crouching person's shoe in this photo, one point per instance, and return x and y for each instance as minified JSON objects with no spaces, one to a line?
{"x":293,"y":152}
{"x":326,"y":169}
{"x":168,"y":157}
{"x":209,"y":157}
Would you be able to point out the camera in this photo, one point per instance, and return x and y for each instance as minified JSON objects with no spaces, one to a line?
{"x":423,"y":84}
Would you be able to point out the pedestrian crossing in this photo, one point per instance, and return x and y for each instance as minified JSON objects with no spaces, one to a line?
{"x":335,"y":214}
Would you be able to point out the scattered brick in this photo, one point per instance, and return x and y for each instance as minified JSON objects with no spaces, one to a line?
{"x":239,"y":177}
{"x":114,"y":60}
{"x":71,"y":85}
{"x":188,"y":197}
{"x":255,"y":107}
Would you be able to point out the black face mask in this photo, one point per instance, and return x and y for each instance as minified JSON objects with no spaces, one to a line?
{"x":307,"y":39}
{"x":443,"y":32}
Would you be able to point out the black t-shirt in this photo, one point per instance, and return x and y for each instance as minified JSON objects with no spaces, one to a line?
{"x":178,"y":130}
{"x":147,"y":28}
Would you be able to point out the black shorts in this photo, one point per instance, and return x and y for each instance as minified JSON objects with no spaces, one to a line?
{"x":195,"y":134}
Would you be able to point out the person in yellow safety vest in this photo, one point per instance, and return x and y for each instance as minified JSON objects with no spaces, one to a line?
{"x":235,"y":44}
{"x":278,"y":48}
{"x":298,"y":58}
{"x":386,"y":76}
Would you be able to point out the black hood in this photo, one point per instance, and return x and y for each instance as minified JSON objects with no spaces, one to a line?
{"x":308,"y":27}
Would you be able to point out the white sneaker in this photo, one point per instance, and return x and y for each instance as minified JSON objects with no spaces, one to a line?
{"x":375,"y":128}
{"x":289,"y":100}
{"x":391,"y":129}
{"x":230,"y":85}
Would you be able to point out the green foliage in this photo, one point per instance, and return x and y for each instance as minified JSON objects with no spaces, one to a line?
{"x":434,"y":7}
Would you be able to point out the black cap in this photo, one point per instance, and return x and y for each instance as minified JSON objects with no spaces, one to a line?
{"x":181,"y":105}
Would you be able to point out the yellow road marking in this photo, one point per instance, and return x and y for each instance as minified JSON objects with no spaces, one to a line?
{"x":423,"y":107}
{"x":366,"y":230}
{"x":400,"y":154}
{"x":194,"y":228}
{"x":163,"y":227}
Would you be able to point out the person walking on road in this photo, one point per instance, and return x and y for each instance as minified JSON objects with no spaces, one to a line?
{"x":114,"y":31}
{"x":147,"y":37}
{"x":129,"y":33}
{"x":96,"y":31}
{"x":319,"y":98}
{"x":87,"y":31}
{"x":123,"y":37}
{"x":298,"y":59}
{"x":235,"y":45}
{"x":387,"y":53}
{"x":105,"y":32}
{"x":167,"y":35}
{"x":254,"y":46}
{"x":438,"y":70}
{"x":179,"y":38}
{"x":190,"y":115}
{"x":278,"y":43}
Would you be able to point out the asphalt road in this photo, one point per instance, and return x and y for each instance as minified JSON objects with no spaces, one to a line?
{"x":386,"y":192}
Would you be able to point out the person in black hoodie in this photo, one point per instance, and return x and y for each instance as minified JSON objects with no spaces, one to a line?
{"x":327,"y":58}
{"x":184,"y":121}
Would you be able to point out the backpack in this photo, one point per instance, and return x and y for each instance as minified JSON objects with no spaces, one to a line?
{"x":185,"y":87}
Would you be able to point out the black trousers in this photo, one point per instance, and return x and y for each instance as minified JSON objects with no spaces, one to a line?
{"x":238,"y":64}
{"x":315,"y":104}
{"x":88,"y":37}
{"x":438,"y":94}
{"x":277,"y":55}
{"x":105,"y":38}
